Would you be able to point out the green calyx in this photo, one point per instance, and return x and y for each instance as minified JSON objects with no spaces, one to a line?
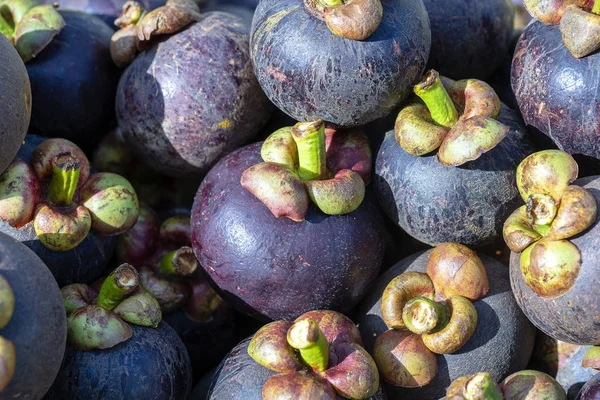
{"x":436,"y":98}
{"x":29,"y":25}
{"x":116,"y":285}
{"x":596,"y":7}
{"x":591,"y":359}
{"x":295,"y":169}
{"x":140,"y":309}
{"x":306,"y":336}
{"x":480,"y":386}
{"x":65,"y":178}
{"x":330,"y":3}
{"x":423,"y":315}
{"x":180,"y":262}
{"x":8,"y":356}
{"x":7,"y":302}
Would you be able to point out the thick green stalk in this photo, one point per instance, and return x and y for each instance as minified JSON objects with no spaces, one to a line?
{"x":6,"y":29}
{"x":64,"y":180}
{"x":596,"y":8}
{"x":119,"y":282}
{"x":310,"y":140}
{"x":180,"y":262}
{"x":422,"y":315}
{"x":436,"y":98}
{"x":309,"y":340}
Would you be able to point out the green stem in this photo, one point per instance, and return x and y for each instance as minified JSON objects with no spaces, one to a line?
{"x":436,"y":98}
{"x":331,"y":3}
{"x":422,"y":315}
{"x":596,"y":8}
{"x":310,"y":141}
{"x":65,"y":177}
{"x":181,"y":262}
{"x":306,"y":336}
{"x":482,"y":386}
{"x":6,"y":29}
{"x":114,"y":287}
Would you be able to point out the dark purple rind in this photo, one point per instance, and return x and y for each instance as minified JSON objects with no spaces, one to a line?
{"x":239,"y":377}
{"x":469,"y":38}
{"x":501,"y":344}
{"x":591,"y":390}
{"x":575,"y":316}
{"x":244,"y":13}
{"x":83,"y":264}
{"x":466,"y":204}
{"x":74,"y":81}
{"x":106,"y":10}
{"x":172,"y":98}
{"x":309,"y":73}
{"x":38,"y":327}
{"x":15,"y":102}
{"x":277,"y":268}
{"x":153,"y":364}
{"x":557,"y":93}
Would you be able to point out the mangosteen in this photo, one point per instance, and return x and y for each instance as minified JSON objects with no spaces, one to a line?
{"x":106,"y":10}
{"x":563,"y":361}
{"x":347,"y":62}
{"x":469,"y":39}
{"x":169,"y":271}
{"x":464,"y":193}
{"x":15,"y":102}
{"x":555,"y":239}
{"x":191,"y":97}
{"x":118,"y":348}
{"x":67,"y":55}
{"x":319,"y":355}
{"x":245,"y":13}
{"x":33,"y":324}
{"x":591,"y":390}
{"x":281,"y":227}
{"x":552,"y":70}
{"x":51,"y":202}
{"x":442,"y":314}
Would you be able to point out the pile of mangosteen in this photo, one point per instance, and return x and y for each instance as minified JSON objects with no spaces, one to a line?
{"x":299,"y":199}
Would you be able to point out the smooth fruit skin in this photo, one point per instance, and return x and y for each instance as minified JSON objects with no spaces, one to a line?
{"x":38,"y":328}
{"x":501,"y":344}
{"x":239,"y":377}
{"x":571,"y":317}
{"x":466,"y":204}
{"x":153,"y":364}
{"x":192,"y":98}
{"x":83,"y":264}
{"x":557,"y":93}
{"x":74,"y":81}
{"x":273,"y":268}
{"x":15,"y":102}
{"x":591,"y":390}
{"x":309,"y":73}
{"x":106,"y":10}
{"x":469,"y":38}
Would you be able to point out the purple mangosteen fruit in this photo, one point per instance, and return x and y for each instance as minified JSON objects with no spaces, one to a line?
{"x":469,"y":39}
{"x":555,"y":238}
{"x":169,"y":271}
{"x":51,"y":202}
{"x":346,"y":62}
{"x":320,"y":355}
{"x":33,"y":327}
{"x":67,"y":56}
{"x":442,"y":314}
{"x":15,"y":102}
{"x":465,"y":191}
{"x":281,"y":227}
{"x":553,"y":71}
{"x":190,"y":98}
{"x":591,"y":390}
{"x":117,"y":345}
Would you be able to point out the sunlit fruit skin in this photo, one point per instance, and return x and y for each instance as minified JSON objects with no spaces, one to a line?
{"x":38,"y":327}
{"x":153,"y":364}
{"x":239,"y":377}
{"x":74,"y":81}
{"x":555,"y":91}
{"x":501,"y":344}
{"x":469,"y":39}
{"x":466,"y":204}
{"x":181,"y":121}
{"x":255,"y":260}
{"x":572,"y":316}
{"x":106,"y":10}
{"x":309,"y":73}
{"x":15,"y":102}
{"x":84,"y":263}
